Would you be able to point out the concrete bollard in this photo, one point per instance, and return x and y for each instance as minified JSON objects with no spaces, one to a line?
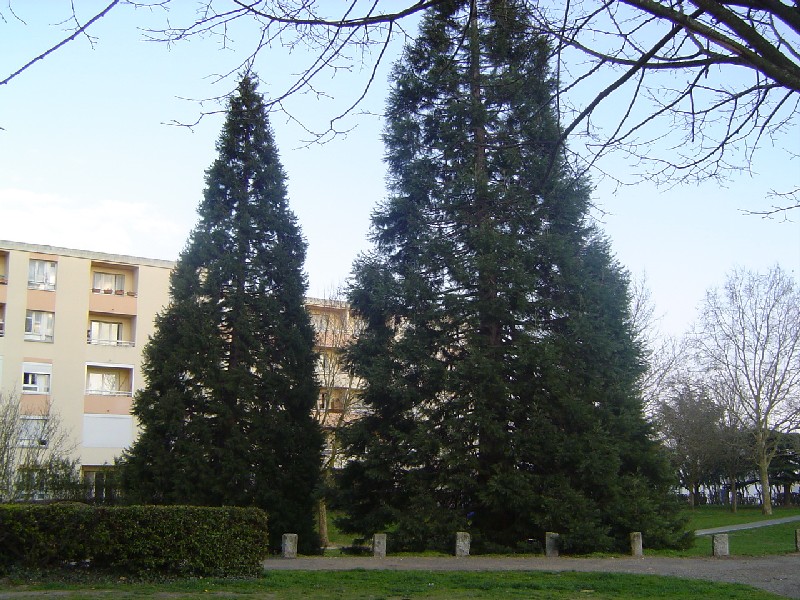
{"x":462,"y":543}
{"x":719,"y":543}
{"x":551,"y":544}
{"x":379,"y":545}
{"x":289,"y":545}
{"x":636,"y":544}
{"x":797,"y":540}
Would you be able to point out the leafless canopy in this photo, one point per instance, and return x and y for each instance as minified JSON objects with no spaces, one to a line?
{"x":748,"y":341}
{"x":686,"y":89}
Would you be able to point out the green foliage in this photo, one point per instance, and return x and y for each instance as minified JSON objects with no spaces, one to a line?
{"x":498,"y":355}
{"x":230,"y":371}
{"x":168,"y":540}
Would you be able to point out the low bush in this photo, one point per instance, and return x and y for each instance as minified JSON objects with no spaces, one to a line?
{"x":140,"y":540}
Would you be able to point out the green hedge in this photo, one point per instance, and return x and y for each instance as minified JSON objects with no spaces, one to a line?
{"x":162,"y":540}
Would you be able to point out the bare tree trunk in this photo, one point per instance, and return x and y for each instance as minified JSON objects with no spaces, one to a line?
{"x":763,"y":475}
{"x":734,"y":495}
{"x":322,"y":515}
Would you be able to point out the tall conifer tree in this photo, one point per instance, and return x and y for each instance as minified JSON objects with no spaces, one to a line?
{"x":230,"y":381}
{"x":498,"y":355}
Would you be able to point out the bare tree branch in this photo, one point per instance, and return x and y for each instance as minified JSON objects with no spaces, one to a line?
{"x":80,"y":29}
{"x":685,"y":90}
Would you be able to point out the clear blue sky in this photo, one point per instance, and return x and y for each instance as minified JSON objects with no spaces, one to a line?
{"x":87,"y":161}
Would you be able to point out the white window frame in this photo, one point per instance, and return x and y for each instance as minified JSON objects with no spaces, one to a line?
{"x":101,"y":333}
{"x":33,"y":431}
{"x":106,"y":282}
{"x":42,"y":376}
{"x":39,"y":325}
{"x":42,"y":274}
{"x":104,"y":372}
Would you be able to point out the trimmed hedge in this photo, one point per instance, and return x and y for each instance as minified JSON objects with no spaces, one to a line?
{"x":162,"y":540}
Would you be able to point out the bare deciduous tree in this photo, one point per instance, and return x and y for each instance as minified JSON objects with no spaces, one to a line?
{"x":35,"y":454}
{"x":687,"y":89}
{"x":665,"y":355}
{"x":748,"y":342}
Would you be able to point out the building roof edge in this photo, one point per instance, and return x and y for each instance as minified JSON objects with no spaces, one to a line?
{"x":89,"y":254}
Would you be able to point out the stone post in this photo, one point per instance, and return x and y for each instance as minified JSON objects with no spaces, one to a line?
{"x":462,"y":543}
{"x":719,"y":542}
{"x":379,"y":545}
{"x":289,"y":545}
{"x":636,"y":544}
{"x":797,"y":540}
{"x":551,"y":544}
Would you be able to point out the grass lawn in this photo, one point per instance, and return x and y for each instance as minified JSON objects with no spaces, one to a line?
{"x":396,"y":585}
{"x":706,"y":517}
{"x":774,"y":539}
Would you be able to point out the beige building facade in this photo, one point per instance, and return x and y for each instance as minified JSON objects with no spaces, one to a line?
{"x":73,"y":324}
{"x":72,"y":327}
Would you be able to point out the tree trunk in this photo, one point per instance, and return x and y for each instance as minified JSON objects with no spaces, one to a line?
{"x":763,"y":474}
{"x":322,"y":515}
{"x":734,"y":495}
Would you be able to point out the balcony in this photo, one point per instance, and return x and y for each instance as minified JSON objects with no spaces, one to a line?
{"x":106,"y":330}
{"x":113,"y":289}
{"x":3,"y":268}
{"x":108,"y":389}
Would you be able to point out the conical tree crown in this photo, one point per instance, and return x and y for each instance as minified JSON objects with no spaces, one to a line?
{"x":226,"y":413}
{"x":498,"y":357}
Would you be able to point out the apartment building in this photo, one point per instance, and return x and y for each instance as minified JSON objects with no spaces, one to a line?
{"x":72,"y":327}
{"x":339,"y":399}
{"x":73,"y":324}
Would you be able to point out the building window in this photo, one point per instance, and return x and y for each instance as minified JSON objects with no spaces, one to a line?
{"x":39,"y":326}
{"x":36,"y":378}
{"x":33,"y":431}
{"x":108,"y":282}
{"x":108,"y":382}
{"x":36,"y":383}
{"x":41,"y":275}
{"x":105,"y":334}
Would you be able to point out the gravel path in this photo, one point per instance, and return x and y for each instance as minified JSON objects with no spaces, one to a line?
{"x":777,"y":574}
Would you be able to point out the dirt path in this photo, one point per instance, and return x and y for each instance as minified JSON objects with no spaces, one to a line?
{"x":777,"y":574}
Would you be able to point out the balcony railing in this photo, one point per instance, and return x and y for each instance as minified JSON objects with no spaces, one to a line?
{"x":41,"y":285}
{"x":119,"y":393}
{"x":38,"y":337}
{"x":118,"y":343}
{"x":109,"y":291}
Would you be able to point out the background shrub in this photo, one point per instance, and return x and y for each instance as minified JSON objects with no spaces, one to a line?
{"x":141,"y":540}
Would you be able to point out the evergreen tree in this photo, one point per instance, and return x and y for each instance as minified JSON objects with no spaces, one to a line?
{"x":226,"y":411}
{"x":498,"y":356}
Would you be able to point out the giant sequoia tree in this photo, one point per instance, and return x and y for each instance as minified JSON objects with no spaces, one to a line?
{"x":226,"y":411}
{"x":498,"y":356}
